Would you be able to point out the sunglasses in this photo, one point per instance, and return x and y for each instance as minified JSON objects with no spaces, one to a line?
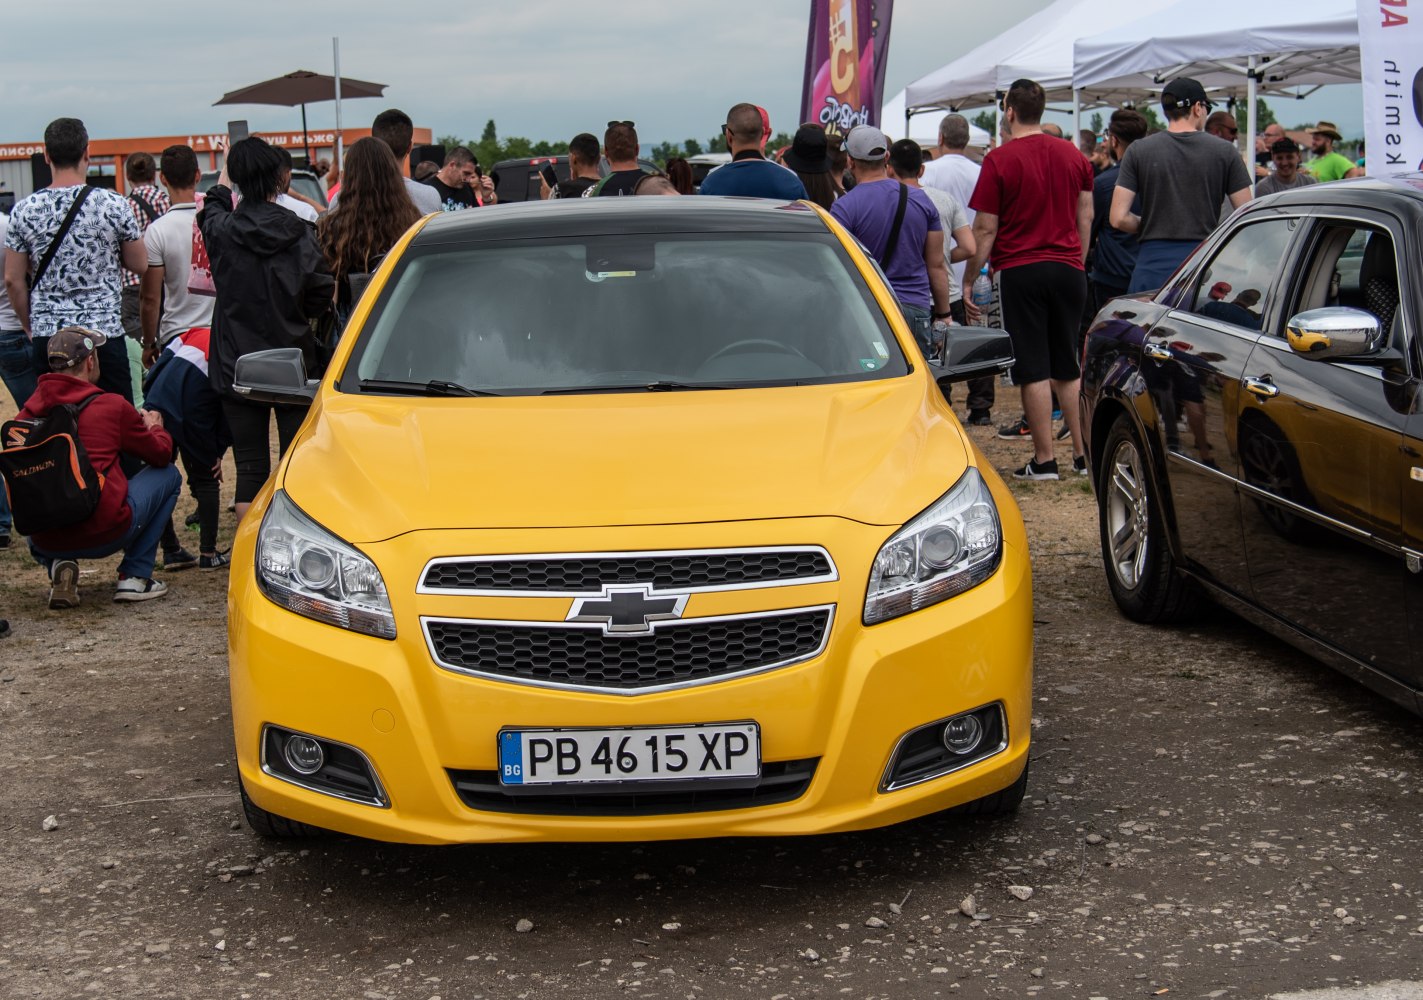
{"x":628,"y":124}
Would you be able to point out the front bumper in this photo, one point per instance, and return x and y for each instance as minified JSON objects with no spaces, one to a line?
{"x":847,"y":708}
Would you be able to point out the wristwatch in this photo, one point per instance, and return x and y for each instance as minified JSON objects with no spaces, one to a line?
{"x":942,"y":315}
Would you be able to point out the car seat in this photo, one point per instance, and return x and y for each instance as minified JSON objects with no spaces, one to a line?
{"x":1378,"y":278}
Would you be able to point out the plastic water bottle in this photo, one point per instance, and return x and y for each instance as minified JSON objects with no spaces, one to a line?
{"x":982,"y":289}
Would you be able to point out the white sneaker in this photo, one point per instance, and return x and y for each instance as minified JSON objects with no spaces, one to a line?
{"x":137,"y":588}
{"x":64,"y":584}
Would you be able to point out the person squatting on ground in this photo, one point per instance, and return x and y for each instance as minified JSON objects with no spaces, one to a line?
{"x":1034,"y":205}
{"x":272,"y":282}
{"x":131,"y":513}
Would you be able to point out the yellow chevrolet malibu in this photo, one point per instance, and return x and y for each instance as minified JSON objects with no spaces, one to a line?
{"x":631,"y":519}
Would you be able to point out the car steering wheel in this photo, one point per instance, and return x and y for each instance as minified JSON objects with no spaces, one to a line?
{"x":742,"y":346}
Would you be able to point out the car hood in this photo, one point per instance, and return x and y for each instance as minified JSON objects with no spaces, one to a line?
{"x":373,"y":467}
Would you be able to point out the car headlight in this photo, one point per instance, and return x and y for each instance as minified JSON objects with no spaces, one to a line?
{"x":954,"y":545}
{"x":304,"y":568}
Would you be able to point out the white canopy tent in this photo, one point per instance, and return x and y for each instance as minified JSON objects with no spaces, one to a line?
{"x":1039,"y":47}
{"x":924,"y":129}
{"x":1232,"y":49}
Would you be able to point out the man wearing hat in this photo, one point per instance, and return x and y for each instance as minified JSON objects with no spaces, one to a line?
{"x":900,"y":228}
{"x":1327,"y":165}
{"x":1182,"y":177}
{"x":132,"y":513}
{"x":1285,"y":154}
{"x":750,"y":174}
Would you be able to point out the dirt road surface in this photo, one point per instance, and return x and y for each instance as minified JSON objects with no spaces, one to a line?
{"x":1210,"y":815}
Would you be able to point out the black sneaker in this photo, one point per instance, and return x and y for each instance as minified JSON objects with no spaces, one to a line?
{"x":137,"y":588}
{"x":1014,"y":431}
{"x":4,"y":539}
{"x":219,"y":560}
{"x":179,"y":559}
{"x":979,"y":418}
{"x":1047,"y":470}
{"x":4,"y":628}
{"x":1079,"y":465}
{"x":1063,"y":433}
{"x":192,"y":520}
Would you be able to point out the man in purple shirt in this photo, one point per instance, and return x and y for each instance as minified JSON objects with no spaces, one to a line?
{"x":900,"y":228}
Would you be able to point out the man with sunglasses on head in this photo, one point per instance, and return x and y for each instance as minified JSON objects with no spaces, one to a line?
{"x":620,"y":146}
{"x":1183,"y":176}
{"x":750,"y":174}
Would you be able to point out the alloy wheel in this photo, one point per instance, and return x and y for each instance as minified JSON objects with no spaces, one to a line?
{"x":1127,"y":510}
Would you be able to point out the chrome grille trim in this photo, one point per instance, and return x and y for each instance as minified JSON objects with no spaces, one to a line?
{"x":832,"y":574}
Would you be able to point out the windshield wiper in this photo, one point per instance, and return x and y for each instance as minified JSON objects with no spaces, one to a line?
{"x":434,"y":387}
{"x":662,"y":385}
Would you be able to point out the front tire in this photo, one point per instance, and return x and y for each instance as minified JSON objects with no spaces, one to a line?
{"x":1001,"y":803}
{"x":272,"y":826}
{"x":1141,"y":571}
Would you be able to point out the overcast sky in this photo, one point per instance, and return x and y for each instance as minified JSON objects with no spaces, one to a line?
{"x":539,"y":68}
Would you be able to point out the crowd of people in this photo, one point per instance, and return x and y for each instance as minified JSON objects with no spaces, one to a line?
{"x":126,"y":314}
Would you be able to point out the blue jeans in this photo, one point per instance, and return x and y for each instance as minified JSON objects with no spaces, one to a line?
{"x":920,"y":320}
{"x":18,"y":373}
{"x":1156,"y":261}
{"x":152,"y":494}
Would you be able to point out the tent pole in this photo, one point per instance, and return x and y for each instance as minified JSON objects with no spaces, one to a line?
{"x":997,"y":139}
{"x":336,"y":58}
{"x":305,"y":142}
{"x":1251,"y":86}
{"x":1076,"y":115}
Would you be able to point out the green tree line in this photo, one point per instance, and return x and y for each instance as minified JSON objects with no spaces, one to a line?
{"x":489,"y":148}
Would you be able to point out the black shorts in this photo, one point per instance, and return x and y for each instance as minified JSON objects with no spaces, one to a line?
{"x":1042,"y":309}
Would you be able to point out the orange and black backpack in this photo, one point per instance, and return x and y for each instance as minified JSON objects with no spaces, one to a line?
{"x":49,"y":480}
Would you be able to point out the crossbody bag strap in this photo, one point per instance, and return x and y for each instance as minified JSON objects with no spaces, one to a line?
{"x":53,"y":247}
{"x":893,"y":242}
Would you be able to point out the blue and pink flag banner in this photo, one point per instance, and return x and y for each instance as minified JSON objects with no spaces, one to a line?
{"x":846,"y":53}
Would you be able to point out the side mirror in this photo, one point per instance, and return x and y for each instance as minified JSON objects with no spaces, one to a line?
{"x":1334,"y":332}
{"x":972,"y":352}
{"x":277,"y":376}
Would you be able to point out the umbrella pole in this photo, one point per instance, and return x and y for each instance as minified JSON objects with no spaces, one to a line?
{"x":1251,"y":93}
{"x":305,"y":142}
{"x":336,"y":58}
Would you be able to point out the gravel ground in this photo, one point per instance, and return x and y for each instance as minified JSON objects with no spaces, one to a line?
{"x":1210,"y":814}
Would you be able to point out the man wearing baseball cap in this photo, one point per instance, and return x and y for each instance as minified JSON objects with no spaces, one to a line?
{"x":1327,"y":165}
{"x":132,"y":513}
{"x":900,"y":228}
{"x":1182,"y":176}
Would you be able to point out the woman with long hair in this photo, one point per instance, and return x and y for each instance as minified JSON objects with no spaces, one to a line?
{"x":679,"y":172}
{"x":272,"y":283}
{"x":373,"y":213}
{"x":809,"y":157}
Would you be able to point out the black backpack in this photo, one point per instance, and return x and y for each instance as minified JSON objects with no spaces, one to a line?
{"x":49,"y":480}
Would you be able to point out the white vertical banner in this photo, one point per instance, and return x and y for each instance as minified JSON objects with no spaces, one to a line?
{"x":1391,"y":54}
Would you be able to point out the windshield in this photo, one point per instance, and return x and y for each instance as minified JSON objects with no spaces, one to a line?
{"x":626,"y":313}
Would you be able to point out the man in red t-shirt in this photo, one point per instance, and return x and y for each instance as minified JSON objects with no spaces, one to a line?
{"x":1034,"y":205}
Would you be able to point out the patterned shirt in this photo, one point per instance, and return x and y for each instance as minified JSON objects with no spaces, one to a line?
{"x":82,"y":284}
{"x":157,"y":199}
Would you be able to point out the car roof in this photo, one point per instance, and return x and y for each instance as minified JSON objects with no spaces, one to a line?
{"x":604,"y":216}
{"x":1403,"y":193}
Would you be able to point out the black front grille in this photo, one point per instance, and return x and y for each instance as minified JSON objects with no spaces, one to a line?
{"x":781,"y":781}
{"x":677,"y":652}
{"x":588,"y":574}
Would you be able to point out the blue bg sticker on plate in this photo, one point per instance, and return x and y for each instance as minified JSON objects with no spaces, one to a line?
{"x":511,"y":758}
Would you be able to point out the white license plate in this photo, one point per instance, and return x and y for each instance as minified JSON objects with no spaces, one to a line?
{"x":646,"y":753}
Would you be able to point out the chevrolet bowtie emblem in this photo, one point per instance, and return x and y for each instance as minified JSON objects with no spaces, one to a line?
{"x":627,"y":609}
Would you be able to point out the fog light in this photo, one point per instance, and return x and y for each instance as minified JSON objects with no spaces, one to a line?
{"x":962,"y":734}
{"x":305,"y":756}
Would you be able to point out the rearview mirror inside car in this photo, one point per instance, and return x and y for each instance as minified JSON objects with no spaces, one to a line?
{"x":972,"y":352}
{"x":276,"y":376}
{"x":1334,"y":332}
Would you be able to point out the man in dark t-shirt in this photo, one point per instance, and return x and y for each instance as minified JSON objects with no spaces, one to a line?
{"x":583,"y":155}
{"x":620,"y":146}
{"x":455,"y":181}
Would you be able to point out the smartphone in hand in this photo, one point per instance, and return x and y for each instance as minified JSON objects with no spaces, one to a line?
{"x":549,"y":176}
{"x":237,"y":131}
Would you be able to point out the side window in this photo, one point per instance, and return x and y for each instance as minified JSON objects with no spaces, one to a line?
{"x":1351,"y":264}
{"x":1234,"y":287}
